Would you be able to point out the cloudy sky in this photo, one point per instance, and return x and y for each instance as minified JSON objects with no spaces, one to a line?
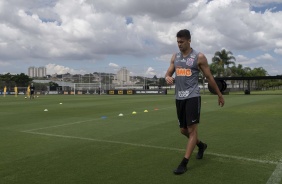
{"x":85,"y":36}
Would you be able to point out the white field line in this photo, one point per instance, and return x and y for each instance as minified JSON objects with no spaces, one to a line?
{"x":276,"y":176}
{"x":66,"y":124}
{"x":152,"y":146}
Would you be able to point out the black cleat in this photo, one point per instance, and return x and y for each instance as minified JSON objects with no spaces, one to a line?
{"x":201,"y":151}
{"x":180,"y":169}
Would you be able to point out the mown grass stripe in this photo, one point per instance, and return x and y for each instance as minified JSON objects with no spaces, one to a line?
{"x":152,"y":146}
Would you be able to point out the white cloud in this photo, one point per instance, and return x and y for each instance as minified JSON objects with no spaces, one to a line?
{"x":150,"y":72}
{"x":262,"y":2}
{"x":265,"y":57}
{"x":59,"y":69}
{"x":113,"y":65}
{"x":279,"y":43}
{"x":241,"y":57}
{"x":165,"y":58}
{"x":3,"y":63}
{"x":157,"y":9}
{"x":278,"y":51}
{"x":245,"y":61}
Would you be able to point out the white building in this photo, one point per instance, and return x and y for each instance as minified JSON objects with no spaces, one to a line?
{"x":32,"y":71}
{"x":123,"y":76}
{"x":41,"y":71}
{"x":37,"y":72}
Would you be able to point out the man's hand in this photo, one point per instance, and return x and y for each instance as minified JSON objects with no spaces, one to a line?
{"x":220,"y":101}
{"x":169,"y":80}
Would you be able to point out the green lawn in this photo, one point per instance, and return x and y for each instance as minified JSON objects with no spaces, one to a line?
{"x":83,"y":140}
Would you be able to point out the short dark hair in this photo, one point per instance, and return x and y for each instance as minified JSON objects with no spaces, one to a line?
{"x":184,"y":33}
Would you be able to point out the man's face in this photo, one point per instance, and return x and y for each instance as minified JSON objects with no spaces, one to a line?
{"x":183,"y":44}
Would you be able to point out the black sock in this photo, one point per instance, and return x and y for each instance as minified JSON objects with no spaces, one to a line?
{"x":200,"y":145}
{"x":185,"y":161}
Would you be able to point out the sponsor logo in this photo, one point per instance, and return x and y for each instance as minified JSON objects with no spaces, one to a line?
{"x":183,"y":94}
{"x":120,"y":92}
{"x":183,"y":72}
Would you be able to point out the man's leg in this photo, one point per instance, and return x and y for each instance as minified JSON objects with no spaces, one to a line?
{"x":190,"y":133}
{"x":202,"y":146}
{"x":192,"y":141}
{"x":186,"y":133}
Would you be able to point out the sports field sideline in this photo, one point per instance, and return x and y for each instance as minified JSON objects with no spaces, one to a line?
{"x":84,"y":140}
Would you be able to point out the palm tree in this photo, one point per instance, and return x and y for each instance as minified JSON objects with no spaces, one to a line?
{"x":216,"y":70}
{"x":223,"y":58}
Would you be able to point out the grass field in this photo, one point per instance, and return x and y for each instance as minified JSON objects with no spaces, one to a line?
{"x":83,"y":140}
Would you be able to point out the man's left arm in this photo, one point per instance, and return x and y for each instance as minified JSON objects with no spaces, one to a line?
{"x":204,"y":67}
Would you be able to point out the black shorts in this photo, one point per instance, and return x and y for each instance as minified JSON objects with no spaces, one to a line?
{"x":188,"y":111}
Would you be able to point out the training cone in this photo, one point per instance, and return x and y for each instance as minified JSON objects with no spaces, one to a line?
{"x":133,"y":112}
{"x":156,"y":109}
{"x":45,"y":110}
{"x":146,"y":111}
{"x":120,"y":114}
{"x":61,"y":103}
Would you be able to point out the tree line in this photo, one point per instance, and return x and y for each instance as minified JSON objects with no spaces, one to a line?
{"x":22,"y":80}
{"x":220,"y":67}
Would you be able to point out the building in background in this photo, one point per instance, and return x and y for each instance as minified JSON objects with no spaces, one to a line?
{"x":37,"y":72}
{"x":123,"y":76}
{"x":41,"y":71}
{"x":32,"y":71}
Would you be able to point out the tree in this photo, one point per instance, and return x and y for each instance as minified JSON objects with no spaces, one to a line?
{"x":7,"y":80}
{"x":21,"y":80}
{"x":10,"y":81}
{"x":247,"y":71}
{"x":221,"y":59}
{"x":258,"y":72}
{"x":215,"y":69}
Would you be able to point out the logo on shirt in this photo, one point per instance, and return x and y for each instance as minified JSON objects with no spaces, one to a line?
{"x":183,"y":94}
{"x":190,"y":61}
{"x":183,"y":72}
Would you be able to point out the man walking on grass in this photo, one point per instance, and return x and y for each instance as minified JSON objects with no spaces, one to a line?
{"x":186,"y":65}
